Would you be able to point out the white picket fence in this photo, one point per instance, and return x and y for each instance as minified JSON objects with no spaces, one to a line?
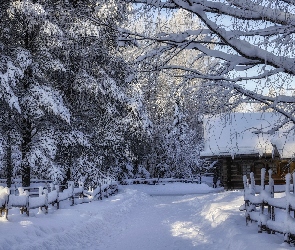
{"x":25,"y":200}
{"x":261,"y":205}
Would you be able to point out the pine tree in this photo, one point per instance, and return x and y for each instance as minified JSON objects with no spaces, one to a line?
{"x":57,"y":70}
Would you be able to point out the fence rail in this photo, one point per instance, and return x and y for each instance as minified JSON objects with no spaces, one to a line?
{"x":26,"y":200}
{"x":261,"y":205}
{"x":153,"y":181}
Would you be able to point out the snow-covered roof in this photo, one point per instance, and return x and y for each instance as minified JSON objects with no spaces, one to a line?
{"x":246,"y":133}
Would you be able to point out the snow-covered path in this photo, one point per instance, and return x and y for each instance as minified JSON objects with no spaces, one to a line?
{"x":203,"y":221}
{"x":134,"y":220}
{"x":159,"y":224}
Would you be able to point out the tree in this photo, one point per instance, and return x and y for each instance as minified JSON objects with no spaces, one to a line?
{"x":64,"y":84}
{"x":160,"y":90}
{"x":252,"y":40}
{"x":182,"y":146}
{"x":30,"y":74}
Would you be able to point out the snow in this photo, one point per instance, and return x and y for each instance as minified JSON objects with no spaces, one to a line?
{"x":64,"y":195}
{"x":135,"y":219}
{"x":37,"y":201}
{"x":52,"y":196}
{"x":3,"y":195}
{"x":45,"y":97}
{"x":277,"y":202}
{"x":176,"y":189}
{"x":20,"y":200}
{"x":246,"y":133}
{"x":287,"y":225}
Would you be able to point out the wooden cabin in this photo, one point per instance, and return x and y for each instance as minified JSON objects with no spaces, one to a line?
{"x":245,"y":142}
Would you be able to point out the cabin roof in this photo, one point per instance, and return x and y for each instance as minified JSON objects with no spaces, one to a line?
{"x":247,"y":134}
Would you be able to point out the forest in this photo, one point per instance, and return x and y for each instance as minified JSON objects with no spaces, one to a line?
{"x":98,"y":88}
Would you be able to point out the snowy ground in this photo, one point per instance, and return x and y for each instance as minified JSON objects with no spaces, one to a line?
{"x":142,"y":217}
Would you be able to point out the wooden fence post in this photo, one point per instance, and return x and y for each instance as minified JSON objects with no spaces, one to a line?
{"x":71,"y":190}
{"x":57,"y":196}
{"x":270,"y":183}
{"x":293,"y":181}
{"x":26,"y":206}
{"x":246,"y":188}
{"x":262,"y":178}
{"x":81,"y":185}
{"x":27,"y":202}
{"x":105,"y":182}
{"x":252,"y":184}
{"x":6,"y":204}
{"x":12,"y":190}
{"x":100,"y":191}
{"x":271,"y":209}
{"x":262,"y":204}
{"x":45,"y":191}
{"x":245,"y":182}
{"x":40,"y":194}
{"x":20,"y":191}
{"x":288,"y":207}
{"x":51,"y":187}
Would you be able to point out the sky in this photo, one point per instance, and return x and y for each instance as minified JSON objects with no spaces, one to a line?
{"x":281,"y":83}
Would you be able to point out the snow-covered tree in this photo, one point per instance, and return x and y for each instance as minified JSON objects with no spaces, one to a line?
{"x":251,"y":40}
{"x":63,"y":85}
{"x":162,"y":89}
{"x":27,"y":83}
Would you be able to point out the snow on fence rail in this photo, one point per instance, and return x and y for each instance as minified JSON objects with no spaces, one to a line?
{"x":26,"y":200}
{"x":158,"y":180}
{"x":258,"y":198}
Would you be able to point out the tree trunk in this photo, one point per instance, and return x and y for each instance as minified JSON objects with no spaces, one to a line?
{"x":26,"y":125}
{"x":8,"y":163}
{"x":26,"y":144}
